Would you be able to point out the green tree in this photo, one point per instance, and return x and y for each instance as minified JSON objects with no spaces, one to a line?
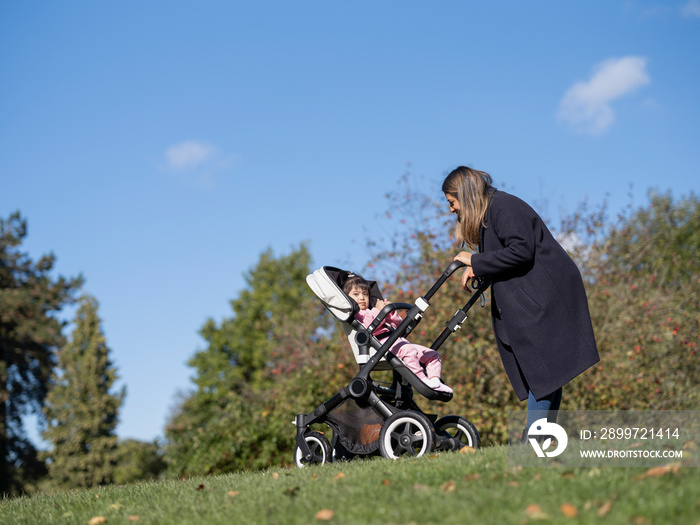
{"x":137,"y":460}
{"x":239,"y":348}
{"x":30,"y":333}
{"x":81,"y":411}
{"x":645,"y":305}
{"x":233,"y":420}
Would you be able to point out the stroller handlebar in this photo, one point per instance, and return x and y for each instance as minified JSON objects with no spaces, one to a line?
{"x":386,"y":311}
{"x":452,"y":268}
{"x":455,"y":265}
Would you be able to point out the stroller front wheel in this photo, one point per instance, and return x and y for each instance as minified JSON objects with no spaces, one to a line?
{"x":408,"y":433}
{"x":459,"y":429}
{"x":320,"y":450}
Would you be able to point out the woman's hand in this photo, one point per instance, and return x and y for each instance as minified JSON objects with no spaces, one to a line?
{"x":464,"y":257}
{"x":468,"y":275}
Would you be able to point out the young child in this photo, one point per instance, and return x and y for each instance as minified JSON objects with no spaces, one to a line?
{"x":415,"y":356}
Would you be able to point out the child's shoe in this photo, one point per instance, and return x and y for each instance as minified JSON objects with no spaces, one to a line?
{"x":437,"y":385}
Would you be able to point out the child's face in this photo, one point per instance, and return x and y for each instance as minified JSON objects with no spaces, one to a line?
{"x":361,"y":298}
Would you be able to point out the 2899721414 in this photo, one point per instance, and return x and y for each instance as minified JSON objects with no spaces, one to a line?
{"x":636,"y":433}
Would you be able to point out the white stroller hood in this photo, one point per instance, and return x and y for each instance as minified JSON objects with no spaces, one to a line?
{"x":326,"y":288}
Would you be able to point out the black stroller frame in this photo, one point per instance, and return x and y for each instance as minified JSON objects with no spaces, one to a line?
{"x":405,"y":429}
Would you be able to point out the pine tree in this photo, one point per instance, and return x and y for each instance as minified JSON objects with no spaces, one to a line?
{"x":29,"y":336}
{"x":81,"y":412}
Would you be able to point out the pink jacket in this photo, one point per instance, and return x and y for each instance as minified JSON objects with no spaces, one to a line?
{"x":390,"y":322}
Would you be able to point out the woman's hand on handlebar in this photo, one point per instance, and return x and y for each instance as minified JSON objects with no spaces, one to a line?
{"x":468,"y":275}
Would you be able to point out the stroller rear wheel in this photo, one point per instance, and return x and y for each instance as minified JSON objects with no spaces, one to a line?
{"x":408,"y":433}
{"x":459,"y":429}
{"x":320,"y":450}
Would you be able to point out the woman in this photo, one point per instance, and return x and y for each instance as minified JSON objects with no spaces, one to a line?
{"x":538,"y":302}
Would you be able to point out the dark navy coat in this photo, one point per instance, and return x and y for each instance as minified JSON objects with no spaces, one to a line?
{"x":540,"y":312}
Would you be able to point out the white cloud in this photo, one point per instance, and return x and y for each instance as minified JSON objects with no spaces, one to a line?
{"x":587,"y":105}
{"x":692,"y":9}
{"x":188,"y":155}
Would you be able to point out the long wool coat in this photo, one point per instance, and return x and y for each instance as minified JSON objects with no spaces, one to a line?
{"x":540,"y":312}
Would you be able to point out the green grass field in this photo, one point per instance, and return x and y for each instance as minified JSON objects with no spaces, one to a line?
{"x":449,"y":488}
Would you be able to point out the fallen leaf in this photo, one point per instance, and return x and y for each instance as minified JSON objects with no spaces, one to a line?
{"x":568,"y":474}
{"x":537,"y":476}
{"x":467,"y":450}
{"x":605,"y":508}
{"x":513,"y":483}
{"x":655,"y":472}
{"x":325,"y":515}
{"x":275,"y":475}
{"x":448,"y":486}
{"x":232,"y":493}
{"x":133,"y":518}
{"x":471,"y":477}
{"x":338,"y":476}
{"x":97,"y":520}
{"x":116,"y":506}
{"x":535,"y":511}
{"x":201,"y":487}
{"x":386,"y":482}
{"x":421,"y":487}
{"x":434,"y":456}
{"x":569,"y":510}
{"x":313,"y":476}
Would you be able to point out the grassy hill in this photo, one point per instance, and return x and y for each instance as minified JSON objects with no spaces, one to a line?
{"x":449,"y":488}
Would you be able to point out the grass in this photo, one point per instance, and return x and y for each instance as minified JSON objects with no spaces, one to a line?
{"x":449,"y":488}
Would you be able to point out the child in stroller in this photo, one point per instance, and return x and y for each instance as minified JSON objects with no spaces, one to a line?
{"x":420,"y":360}
{"x":367,"y":404}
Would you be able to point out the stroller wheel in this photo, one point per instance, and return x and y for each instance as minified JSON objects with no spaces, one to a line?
{"x":459,"y":429}
{"x":320,"y":450}
{"x":406,"y":432}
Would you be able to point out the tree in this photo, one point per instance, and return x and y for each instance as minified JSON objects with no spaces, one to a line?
{"x":645,"y":306}
{"x":81,"y":411}
{"x":231,"y":422}
{"x":239,"y":349}
{"x":138,"y":460}
{"x":29,"y":335}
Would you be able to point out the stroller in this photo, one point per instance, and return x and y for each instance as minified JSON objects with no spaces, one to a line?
{"x":368,"y":417}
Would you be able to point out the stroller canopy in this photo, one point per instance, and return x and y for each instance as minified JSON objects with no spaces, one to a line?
{"x":327,"y":283}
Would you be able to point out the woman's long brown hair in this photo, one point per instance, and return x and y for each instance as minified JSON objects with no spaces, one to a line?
{"x":471,"y":189}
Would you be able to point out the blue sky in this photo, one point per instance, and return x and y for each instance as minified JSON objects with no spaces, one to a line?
{"x":159,"y":148}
